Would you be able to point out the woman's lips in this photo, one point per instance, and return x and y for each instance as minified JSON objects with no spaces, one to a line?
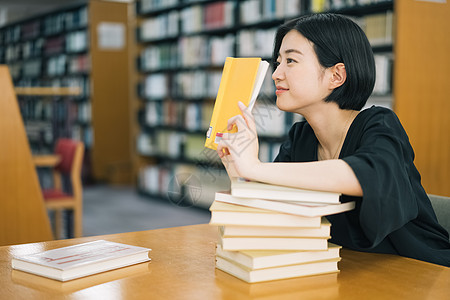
{"x":280,"y":90}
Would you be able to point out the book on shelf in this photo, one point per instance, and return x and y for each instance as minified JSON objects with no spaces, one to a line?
{"x":275,"y":273}
{"x":253,"y":189}
{"x":259,"y":231}
{"x":81,"y":260}
{"x":262,"y":259}
{"x":241,"y":80}
{"x":232,"y":214}
{"x":309,"y":209}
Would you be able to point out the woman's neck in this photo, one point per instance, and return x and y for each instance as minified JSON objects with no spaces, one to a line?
{"x":330,"y":126}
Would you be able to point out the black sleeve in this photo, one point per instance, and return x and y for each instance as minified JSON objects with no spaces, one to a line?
{"x":382,"y":163}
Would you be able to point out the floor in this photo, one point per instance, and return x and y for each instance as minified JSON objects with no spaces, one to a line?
{"x":117,"y":209}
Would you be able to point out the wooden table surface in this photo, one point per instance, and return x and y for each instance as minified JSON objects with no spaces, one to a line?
{"x":182,"y":267}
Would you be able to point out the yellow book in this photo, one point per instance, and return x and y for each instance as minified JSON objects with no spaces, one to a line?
{"x":242,"y":79}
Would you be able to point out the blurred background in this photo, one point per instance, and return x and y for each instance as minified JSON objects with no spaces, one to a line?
{"x":141,"y":79}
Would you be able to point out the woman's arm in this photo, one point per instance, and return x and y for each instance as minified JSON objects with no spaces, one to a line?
{"x":239,"y":153}
{"x":328,"y":175}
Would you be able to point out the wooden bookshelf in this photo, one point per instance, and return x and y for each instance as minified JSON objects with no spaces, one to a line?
{"x":111,"y":104}
{"x":421,"y":87}
{"x":71,"y":69}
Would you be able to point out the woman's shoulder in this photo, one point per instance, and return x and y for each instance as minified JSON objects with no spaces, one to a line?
{"x":378,"y":114}
{"x":379,"y":120}
{"x":375,"y":111}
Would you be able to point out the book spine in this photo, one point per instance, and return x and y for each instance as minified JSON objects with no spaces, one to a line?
{"x":211,"y":134}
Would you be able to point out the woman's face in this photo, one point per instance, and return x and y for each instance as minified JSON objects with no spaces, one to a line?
{"x":300,"y":79}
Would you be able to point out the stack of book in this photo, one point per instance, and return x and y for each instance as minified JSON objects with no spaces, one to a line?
{"x":269,"y":232}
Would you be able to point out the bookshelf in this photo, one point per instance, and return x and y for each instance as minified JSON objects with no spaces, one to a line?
{"x":182,"y":49}
{"x":73,"y":48}
{"x":422,"y":89}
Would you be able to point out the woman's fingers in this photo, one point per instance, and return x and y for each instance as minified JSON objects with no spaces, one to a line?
{"x":222,"y":149}
{"x":248,"y":116}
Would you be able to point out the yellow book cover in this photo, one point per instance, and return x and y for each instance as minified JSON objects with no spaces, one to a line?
{"x":241,"y":81}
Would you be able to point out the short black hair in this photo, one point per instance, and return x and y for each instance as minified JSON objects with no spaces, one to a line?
{"x":337,"y":39}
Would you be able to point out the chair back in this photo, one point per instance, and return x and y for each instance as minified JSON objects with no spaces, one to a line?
{"x":66,"y":149}
{"x":71,"y":153}
{"x":441,"y":206}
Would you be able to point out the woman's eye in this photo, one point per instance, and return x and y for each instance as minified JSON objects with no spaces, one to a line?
{"x":289,"y":60}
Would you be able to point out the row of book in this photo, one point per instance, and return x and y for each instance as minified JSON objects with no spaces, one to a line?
{"x":161,"y":27}
{"x":255,"y":11}
{"x":50,"y":25}
{"x":24,"y":50}
{"x":192,"y":19}
{"x":183,"y":185}
{"x":73,"y":42}
{"x":176,"y":145}
{"x":326,"y":5}
{"x":269,"y":232}
{"x":379,"y":28}
{"x":190,"y":84}
{"x":68,"y":65}
{"x":201,"y":50}
{"x":30,"y":69}
{"x":172,"y":144}
{"x":195,"y":116}
{"x":191,"y":51}
{"x":384,"y":70}
{"x":191,"y":116}
{"x":42,"y":134}
{"x":255,"y":42}
{"x":198,"y":18}
{"x":201,"y":84}
{"x":38,"y":108}
{"x":147,"y":6}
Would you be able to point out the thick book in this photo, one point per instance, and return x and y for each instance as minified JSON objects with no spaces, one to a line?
{"x":81,"y":260}
{"x":261,"y":259}
{"x":241,"y":80}
{"x":309,"y":209}
{"x":233,"y":230}
{"x":259,"y":190}
{"x":238,"y":243}
{"x":232,"y":214}
{"x":276,"y":273}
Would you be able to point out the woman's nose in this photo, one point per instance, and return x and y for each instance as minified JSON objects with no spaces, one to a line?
{"x":277,"y":74}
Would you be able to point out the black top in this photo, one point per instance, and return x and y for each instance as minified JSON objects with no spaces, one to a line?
{"x":395,"y":214}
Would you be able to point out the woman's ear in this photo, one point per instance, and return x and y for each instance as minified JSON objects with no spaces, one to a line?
{"x":338,"y":75}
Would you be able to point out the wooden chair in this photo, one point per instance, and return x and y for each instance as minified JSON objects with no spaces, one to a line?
{"x":66,"y":163}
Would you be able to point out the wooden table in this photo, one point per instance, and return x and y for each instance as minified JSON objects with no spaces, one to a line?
{"x":182,"y":267}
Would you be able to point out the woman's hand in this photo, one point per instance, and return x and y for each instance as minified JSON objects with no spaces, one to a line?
{"x":239,"y":151}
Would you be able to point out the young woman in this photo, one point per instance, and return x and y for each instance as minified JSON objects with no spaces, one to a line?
{"x":325,"y":71}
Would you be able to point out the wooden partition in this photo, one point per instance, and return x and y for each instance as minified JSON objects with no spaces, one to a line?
{"x":422,"y":86}
{"x":112,"y":155}
{"x":23,"y":217}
